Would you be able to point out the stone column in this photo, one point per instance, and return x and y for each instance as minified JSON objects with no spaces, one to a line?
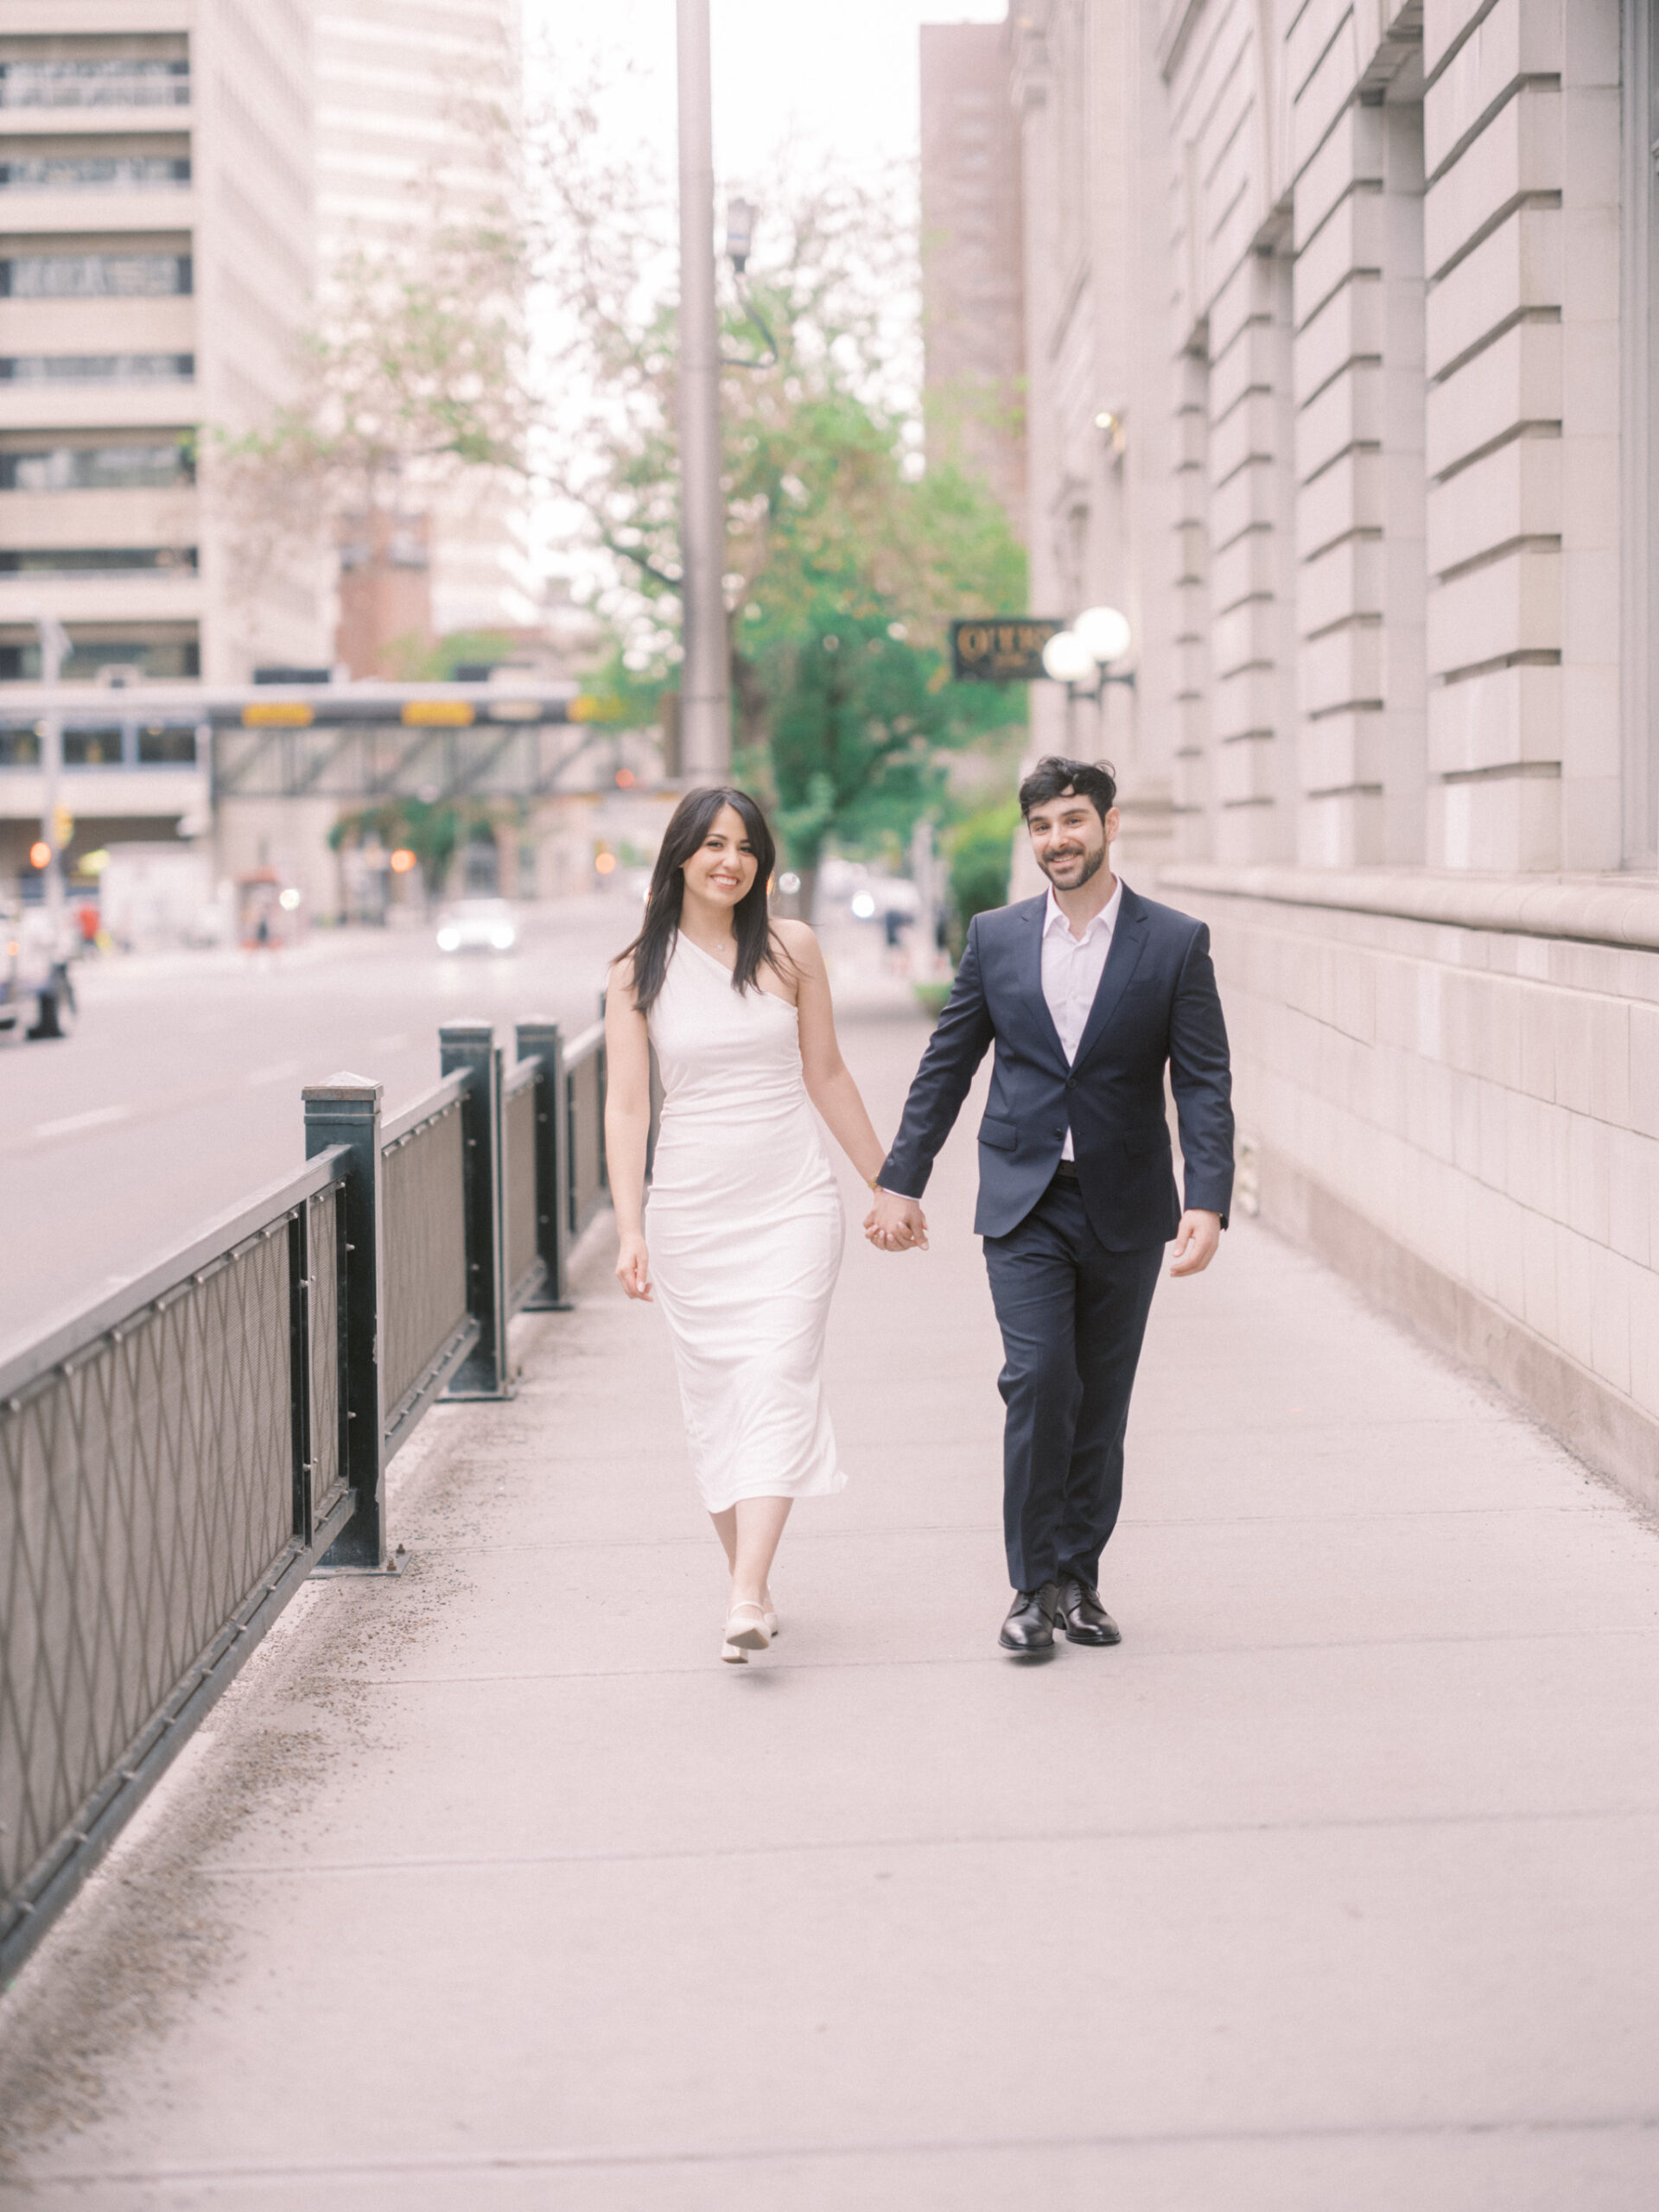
{"x":1251,"y":562}
{"x":1492,"y":143}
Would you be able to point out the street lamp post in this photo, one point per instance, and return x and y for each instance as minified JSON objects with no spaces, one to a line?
{"x":55,"y":650}
{"x":705,"y":702}
{"x":1098,"y":638}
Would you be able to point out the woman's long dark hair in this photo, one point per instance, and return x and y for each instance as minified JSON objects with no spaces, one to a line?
{"x":693,"y":819}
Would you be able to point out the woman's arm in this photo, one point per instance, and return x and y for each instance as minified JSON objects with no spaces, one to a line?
{"x":829,"y":1085}
{"x":627,"y":1125}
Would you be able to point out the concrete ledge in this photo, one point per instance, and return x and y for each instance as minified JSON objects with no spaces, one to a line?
{"x":1593,"y":910}
{"x":1597,"y":1423}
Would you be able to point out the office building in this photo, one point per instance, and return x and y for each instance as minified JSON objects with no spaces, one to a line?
{"x":412,"y":98}
{"x":972,"y":251}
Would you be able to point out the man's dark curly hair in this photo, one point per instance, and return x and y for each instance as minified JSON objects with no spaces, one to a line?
{"x":1053,"y":777}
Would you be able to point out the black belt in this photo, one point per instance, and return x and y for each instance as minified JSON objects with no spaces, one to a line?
{"x":1066,"y":1172}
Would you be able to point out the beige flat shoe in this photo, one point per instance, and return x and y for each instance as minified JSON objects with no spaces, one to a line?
{"x":747,"y":1633}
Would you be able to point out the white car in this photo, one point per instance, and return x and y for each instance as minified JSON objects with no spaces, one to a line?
{"x":477,"y":926}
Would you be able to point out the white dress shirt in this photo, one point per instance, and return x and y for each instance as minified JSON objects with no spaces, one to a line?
{"x":1072,"y":968}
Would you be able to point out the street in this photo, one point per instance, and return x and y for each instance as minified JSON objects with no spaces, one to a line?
{"x":179,"y":1096}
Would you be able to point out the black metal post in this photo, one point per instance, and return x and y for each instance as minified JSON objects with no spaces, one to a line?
{"x":346,"y":1110}
{"x":471,"y":1045}
{"x":539,"y":1039}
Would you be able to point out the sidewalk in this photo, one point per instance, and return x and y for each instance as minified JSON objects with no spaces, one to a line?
{"x":491,"y":1889}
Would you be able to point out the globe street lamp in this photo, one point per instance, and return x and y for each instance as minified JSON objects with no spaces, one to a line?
{"x":1105,"y":633}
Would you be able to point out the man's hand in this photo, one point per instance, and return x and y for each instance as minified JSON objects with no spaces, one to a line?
{"x":1197,"y":1242}
{"x":896,"y":1225}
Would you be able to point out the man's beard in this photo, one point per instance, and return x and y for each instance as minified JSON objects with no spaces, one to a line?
{"x":1092,"y":864}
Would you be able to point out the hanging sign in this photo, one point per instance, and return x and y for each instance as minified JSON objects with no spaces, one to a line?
{"x":1001,"y":649}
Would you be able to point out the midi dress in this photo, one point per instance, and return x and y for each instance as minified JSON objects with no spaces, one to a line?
{"x":744,"y":1226}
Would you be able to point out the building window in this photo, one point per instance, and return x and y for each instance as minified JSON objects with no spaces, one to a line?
{"x":95,"y":368}
{"x":164,"y":746}
{"x":94,"y":275}
{"x":79,"y":560}
{"x":92,"y":172}
{"x":93,"y":748}
{"x":114,"y":81}
{"x":152,"y":467}
{"x":170,"y":651}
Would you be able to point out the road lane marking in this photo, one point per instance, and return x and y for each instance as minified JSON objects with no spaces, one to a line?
{"x":279,"y":1071}
{"x":95,"y":1120}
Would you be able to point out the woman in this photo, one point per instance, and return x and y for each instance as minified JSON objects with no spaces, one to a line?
{"x":745,"y":1218}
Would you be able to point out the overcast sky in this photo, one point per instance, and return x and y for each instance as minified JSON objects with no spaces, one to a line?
{"x":845,"y":74}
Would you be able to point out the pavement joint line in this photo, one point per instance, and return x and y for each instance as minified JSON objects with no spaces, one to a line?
{"x":1372,"y":1823}
{"x":754,"y":2154}
{"x":997,"y":1660}
{"x":1506,"y":1513}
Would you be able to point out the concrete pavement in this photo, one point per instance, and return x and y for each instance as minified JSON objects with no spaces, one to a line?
{"x":491,"y":1888}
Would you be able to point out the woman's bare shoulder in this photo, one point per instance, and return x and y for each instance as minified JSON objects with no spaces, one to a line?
{"x":799,"y":940}
{"x":621,"y":975}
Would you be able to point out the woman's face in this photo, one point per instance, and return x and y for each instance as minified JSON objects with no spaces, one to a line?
{"x":722,"y":868}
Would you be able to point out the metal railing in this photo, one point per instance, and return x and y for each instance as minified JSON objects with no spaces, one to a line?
{"x":177,"y":1459}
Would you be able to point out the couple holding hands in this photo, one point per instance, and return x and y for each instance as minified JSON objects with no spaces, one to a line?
{"x":1087,"y":993}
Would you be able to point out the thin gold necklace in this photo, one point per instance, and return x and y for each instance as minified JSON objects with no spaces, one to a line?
{"x":709,"y":950}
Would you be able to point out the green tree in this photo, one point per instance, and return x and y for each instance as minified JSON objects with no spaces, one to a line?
{"x":980,"y":849}
{"x":846,"y":558}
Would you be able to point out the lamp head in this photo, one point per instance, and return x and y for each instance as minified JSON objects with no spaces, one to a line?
{"x":740,"y":232}
{"x":1067,"y":659}
{"x":1105,"y":633}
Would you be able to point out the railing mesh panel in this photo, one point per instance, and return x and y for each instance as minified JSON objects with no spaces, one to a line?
{"x":585,"y":1084}
{"x":518,"y":1171}
{"x":424,"y":1294}
{"x":323,"y":1248}
{"x":145,"y":1489}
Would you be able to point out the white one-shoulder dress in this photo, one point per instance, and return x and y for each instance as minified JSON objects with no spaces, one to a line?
{"x":744,"y":1226}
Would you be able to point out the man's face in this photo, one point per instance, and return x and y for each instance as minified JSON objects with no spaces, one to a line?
{"x":1069,"y":840}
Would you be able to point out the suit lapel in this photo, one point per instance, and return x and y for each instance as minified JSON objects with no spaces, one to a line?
{"x":1031,"y":973}
{"x":1128,"y":942}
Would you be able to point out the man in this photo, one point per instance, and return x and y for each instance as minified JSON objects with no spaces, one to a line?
{"x":1087,"y":993}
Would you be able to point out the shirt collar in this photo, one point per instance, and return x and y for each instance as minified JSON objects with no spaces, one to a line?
{"x":1106,"y":920}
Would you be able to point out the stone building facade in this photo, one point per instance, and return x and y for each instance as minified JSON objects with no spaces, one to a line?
{"x":1338,"y":333}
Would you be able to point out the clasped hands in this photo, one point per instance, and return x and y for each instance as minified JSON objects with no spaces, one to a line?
{"x":896,"y":1225}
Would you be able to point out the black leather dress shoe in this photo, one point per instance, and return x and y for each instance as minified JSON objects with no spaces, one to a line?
{"x":1083,"y":1616}
{"x":1030,"y":1624}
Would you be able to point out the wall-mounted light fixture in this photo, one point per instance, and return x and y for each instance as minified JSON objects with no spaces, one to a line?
{"x":1112,"y":428}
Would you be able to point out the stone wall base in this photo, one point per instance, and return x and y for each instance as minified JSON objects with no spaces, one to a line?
{"x":1597,"y":1423}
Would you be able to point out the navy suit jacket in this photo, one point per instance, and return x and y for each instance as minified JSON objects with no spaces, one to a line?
{"x":1157,"y":1004}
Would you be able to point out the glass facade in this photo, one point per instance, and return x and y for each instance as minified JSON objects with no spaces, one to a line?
{"x":95,"y":276}
{"x":91,"y":172}
{"x":81,"y":560}
{"x":113,"y":82}
{"x":131,"y":466}
{"x":95,"y":368}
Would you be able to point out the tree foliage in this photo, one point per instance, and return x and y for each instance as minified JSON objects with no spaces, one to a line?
{"x":846,"y":558}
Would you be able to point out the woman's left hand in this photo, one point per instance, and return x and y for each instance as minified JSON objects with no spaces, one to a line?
{"x":633,"y":1267}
